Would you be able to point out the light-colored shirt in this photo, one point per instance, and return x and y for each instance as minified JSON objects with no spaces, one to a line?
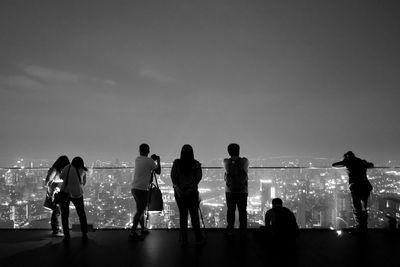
{"x":143,"y":168}
{"x":74,"y":185}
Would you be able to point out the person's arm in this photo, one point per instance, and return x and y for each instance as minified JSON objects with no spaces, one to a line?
{"x":198,"y":174}
{"x":225,"y":167}
{"x":50,"y":176}
{"x":369,"y":164}
{"x":246,"y":168}
{"x":174,"y":178}
{"x":268,"y":218}
{"x":339,"y":164}
{"x":174,"y":174}
{"x":83,"y":178}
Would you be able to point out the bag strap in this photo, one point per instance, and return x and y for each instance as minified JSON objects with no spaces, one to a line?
{"x":154,"y":178}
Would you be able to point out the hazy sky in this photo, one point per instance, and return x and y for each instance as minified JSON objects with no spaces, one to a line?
{"x":97,"y":78}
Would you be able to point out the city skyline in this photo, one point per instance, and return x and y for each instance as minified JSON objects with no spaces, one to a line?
{"x":287,"y":78}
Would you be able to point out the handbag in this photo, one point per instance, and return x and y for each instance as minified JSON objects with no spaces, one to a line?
{"x":155,"y":200}
{"x":62,"y":196}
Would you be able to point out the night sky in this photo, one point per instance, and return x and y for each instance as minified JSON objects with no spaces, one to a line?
{"x":281,"y":78}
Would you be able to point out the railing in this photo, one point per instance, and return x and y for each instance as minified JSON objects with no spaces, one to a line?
{"x":318,"y":196}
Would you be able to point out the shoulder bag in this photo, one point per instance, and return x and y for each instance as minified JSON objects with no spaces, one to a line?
{"x":155,"y":200}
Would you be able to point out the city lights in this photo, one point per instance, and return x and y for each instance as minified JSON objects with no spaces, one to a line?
{"x":319,"y":197}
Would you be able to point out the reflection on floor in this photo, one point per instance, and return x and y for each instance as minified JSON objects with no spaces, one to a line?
{"x":162,"y":248}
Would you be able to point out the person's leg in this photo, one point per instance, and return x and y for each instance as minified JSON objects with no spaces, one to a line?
{"x":141,"y":202}
{"x":194,"y":215}
{"x":144,"y":199}
{"x":364,"y":211}
{"x":55,"y":225}
{"x":64,"y":218}
{"x":242,"y":207}
{"x":357,"y":207}
{"x":231,"y":208}
{"x":183,"y":216}
{"x":80,"y":210}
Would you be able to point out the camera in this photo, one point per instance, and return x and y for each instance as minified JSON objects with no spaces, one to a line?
{"x":154,"y":157}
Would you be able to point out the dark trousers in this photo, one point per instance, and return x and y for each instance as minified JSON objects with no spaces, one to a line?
{"x":239,"y":200}
{"x":189,"y":204}
{"x":360,"y":201}
{"x":80,"y":210}
{"x":141,"y":198}
{"x":55,"y":214}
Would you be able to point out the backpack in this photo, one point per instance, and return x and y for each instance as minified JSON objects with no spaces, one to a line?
{"x":236,"y":176}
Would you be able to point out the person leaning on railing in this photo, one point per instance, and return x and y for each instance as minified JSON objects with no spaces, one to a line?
{"x":359,"y":186}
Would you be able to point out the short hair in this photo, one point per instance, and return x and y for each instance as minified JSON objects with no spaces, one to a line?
{"x":144,"y":148}
{"x":349,"y":154}
{"x":277,"y":201}
{"x":233,"y":150}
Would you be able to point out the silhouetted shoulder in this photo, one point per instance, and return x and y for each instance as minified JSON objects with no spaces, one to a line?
{"x":196,"y":164}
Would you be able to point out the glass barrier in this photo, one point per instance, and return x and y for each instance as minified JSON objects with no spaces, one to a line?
{"x":319,"y":197}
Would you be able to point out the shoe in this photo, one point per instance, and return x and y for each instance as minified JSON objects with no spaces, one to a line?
{"x":57,"y":234}
{"x":135,"y":236}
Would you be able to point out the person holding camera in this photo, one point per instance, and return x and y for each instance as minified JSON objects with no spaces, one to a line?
{"x":144,"y":166}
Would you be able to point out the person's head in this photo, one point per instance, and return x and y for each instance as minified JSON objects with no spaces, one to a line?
{"x":349,"y":155}
{"x":233,"y":150}
{"x":144,"y":150}
{"x":60,"y":163}
{"x":77,"y":162}
{"x":277,"y":202}
{"x":187,"y":153}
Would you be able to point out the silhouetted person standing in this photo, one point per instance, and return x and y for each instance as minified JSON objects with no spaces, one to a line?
{"x":236,"y":189}
{"x":52,"y":184}
{"x":186,"y":174}
{"x":280,"y":222}
{"x":74,"y":178}
{"x":359,"y":186}
{"x":144,"y":166}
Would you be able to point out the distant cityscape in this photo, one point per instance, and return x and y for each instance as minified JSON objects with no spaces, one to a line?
{"x":318,"y":196}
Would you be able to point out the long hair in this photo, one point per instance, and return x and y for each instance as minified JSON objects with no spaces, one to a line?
{"x":187,"y":160}
{"x":60,"y":163}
